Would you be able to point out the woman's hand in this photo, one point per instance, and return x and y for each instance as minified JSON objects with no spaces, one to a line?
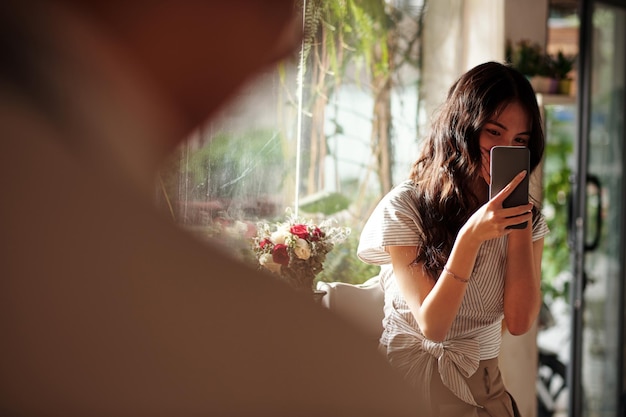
{"x":492,"y":220}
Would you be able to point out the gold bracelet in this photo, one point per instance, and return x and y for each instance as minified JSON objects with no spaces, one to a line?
{"x":455,"y":276}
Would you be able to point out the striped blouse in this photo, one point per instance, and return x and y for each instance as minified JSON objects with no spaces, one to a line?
{"x":476,"y":331}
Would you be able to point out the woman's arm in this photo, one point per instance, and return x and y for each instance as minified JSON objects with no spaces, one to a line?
{"x":522,"y":285}
{"x":435,"y":304}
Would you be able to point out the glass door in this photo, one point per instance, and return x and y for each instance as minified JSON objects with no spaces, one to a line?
{"x":596,"y":366}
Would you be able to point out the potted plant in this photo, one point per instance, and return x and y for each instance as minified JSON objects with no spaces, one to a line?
{"x":529,"y":58}
{"x":525,"y":56}
{"x":562,"y":66}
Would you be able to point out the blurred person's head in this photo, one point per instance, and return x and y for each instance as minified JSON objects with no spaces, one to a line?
{"x":194,"y":54}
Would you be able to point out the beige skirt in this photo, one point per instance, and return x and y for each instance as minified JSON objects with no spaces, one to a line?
{"x":488,"y":390}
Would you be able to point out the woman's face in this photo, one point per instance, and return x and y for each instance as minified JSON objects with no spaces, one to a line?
{"x":509,"y":128}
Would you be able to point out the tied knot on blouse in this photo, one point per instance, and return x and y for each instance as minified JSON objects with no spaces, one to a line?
{"x":455,"y":359}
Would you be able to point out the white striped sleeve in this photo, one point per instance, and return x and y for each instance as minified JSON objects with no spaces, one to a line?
{"x":540,"y":227}
{"x":394,"y":222}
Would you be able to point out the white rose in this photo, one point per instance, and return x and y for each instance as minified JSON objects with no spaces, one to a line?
{"x":302,"y":249}
{"x":280,"y":235}
{"x":267,"y":261}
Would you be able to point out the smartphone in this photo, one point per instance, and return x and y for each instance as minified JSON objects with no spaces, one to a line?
{"x":506,"y":163}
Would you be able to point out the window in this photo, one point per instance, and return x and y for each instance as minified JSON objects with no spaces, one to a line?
{"x":325,"y":134}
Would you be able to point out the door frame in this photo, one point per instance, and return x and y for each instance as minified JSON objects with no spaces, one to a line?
{"x":579,"y":211}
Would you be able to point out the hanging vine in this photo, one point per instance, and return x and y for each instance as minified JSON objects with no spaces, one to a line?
{"x":366,"y":38}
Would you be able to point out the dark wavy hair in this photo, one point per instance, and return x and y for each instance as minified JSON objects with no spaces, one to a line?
{"x":450,"y":160}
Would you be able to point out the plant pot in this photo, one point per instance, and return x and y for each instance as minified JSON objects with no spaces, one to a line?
{"x":542,"y":84}
{"x":565,"y":87}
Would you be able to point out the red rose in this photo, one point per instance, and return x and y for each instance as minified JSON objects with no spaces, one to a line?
{"x":300,"y":230}
{"x":264,"y":242}
{"x":317,"y":234}
{"x":280,"y":254}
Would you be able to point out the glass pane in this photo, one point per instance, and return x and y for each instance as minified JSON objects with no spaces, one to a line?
{"x":601,"y":335}
{"x":324,"y":134}
{"x":554,"y":335}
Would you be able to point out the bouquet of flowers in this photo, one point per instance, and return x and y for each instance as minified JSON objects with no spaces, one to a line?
{"x":295,"y":250}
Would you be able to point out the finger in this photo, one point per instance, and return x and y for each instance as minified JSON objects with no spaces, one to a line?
{"x":515,"y":220}
{"x":508,"y":189}
{"x":517,"y":210}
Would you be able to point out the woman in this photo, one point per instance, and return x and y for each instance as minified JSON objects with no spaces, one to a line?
{"x":453,"y":269}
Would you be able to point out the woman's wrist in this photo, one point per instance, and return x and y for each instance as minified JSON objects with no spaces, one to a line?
{"x":466,"y":242}
{"x":455,"y":276}
{"x":462,"y":257}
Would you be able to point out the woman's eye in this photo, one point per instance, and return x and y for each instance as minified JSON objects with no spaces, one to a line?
{"x":522,"y":141}
{"x":493,"y":132}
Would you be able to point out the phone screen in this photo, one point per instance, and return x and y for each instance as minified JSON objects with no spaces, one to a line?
{"x":506,"y":163}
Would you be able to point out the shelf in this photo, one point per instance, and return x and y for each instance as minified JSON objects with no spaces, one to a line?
{"x":555,"y":99}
